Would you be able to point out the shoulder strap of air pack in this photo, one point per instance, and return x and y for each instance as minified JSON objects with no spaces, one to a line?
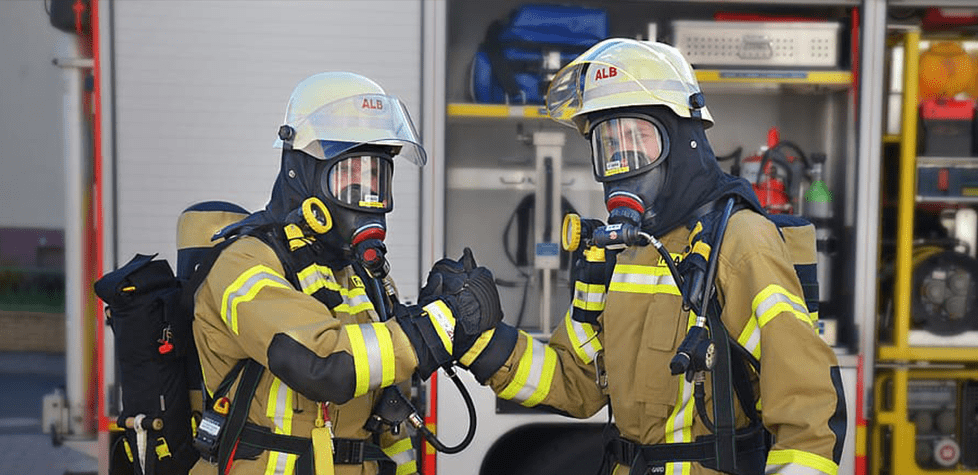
{"x":799,"y":235}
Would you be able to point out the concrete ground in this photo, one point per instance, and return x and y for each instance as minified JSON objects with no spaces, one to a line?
{"x":26,"y":377}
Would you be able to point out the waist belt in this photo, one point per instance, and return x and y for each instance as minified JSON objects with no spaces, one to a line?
{"x":345,"y":451}
{"x":753,"y":443}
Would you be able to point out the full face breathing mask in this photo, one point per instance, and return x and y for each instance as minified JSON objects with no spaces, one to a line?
{"x":628,"y":151}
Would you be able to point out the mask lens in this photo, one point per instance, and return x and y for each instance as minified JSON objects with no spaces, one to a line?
{"x":361,"y":181}
{"x":624,"y":145}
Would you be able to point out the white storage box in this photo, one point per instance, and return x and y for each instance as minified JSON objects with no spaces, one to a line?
{"x":757,"y":43}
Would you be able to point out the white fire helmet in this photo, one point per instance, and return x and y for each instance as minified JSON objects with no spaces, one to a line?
{"x":332,"y":112}
{"x":621,"y":72}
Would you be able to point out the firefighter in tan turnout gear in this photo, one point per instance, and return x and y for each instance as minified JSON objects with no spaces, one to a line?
{"x":291,"y":322}
{"x":625,"y":336}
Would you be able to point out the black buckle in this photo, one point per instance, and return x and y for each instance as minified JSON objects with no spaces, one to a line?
{"x":348,"y":451}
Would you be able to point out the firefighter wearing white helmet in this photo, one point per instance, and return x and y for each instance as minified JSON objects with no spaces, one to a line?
{"x":296,"y":339}
{"x":641,"y":109}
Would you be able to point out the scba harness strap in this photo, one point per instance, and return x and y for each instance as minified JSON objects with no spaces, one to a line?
{"x":244,"y":440}
{"x":753,"y":443}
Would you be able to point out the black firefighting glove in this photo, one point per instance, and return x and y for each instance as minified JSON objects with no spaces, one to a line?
{"x":458,"y":303}
{"x":469,"y":291}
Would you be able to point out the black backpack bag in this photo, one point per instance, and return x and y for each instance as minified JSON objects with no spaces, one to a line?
{"x":150,"y":311}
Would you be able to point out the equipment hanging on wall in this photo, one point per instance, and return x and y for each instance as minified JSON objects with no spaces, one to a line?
{"x":518,"y":58}
{"x":777,"y":174}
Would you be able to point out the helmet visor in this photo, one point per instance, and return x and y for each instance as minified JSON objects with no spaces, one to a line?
{"x":623,"y":146}
{"x":361,"y":119}
{"x":361,"y":182}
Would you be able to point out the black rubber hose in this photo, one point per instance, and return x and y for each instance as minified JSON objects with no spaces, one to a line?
{"x":797,"y":149}
{"x":430,"y":436}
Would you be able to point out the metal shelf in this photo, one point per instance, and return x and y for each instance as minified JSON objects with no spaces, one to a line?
{"x":745,"y":80}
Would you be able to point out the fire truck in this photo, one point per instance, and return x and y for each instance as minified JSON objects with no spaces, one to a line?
{"x":186,"y":97}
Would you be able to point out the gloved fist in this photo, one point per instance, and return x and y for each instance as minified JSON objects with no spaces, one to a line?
{"x":469,"y":291}
{"x":447,"y":276}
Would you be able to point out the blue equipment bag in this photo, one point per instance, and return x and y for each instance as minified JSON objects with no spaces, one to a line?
{"x":517,"y":59}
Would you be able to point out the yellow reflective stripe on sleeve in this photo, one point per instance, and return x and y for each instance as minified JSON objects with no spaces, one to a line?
{"x":355,"y":300}
{"x":534,"y":374}
{"x":643,"y":280}
{"x":774,"y":300}
{"x":279,"y":410}
{"x":589,"y":296}
{"x":386,"y":344}
{"x":443,"y":321}
{"x":317,"y":277}
{"x":797,"y":462}
{"x":750,"y":337}
{"x":244,"y":288}
{"x":402,"y":453}
{"x":373,"y":356}
{"x":583,"y":338}
{"x":477,"y":347}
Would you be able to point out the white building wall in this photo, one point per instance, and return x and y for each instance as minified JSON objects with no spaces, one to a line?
{"x":31,"y":159}
{"x":201,"y":88}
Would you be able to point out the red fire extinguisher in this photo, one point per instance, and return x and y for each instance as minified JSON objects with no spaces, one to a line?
{"x":772,"y":174}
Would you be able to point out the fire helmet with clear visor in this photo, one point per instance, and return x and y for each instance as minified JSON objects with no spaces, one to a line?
{"x":333,"y":112}
{"x":341,"y":135}
{"x":622,"y":72}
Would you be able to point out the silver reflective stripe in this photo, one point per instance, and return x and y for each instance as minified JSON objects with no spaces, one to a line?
{"x":586,"y":344}
{"x":773,"y":300}
{"x":375,"y":359}
{"x":280,"y":411}
{"x":681,"y":418}
{"x":255,"y":279}
{"x":536,"y":372}
{"x":753,"y":341}
{"x":355,"y":300}
{"x":591,"y":300}
{"x":402,"y":458}
{"x":643,"y":279}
